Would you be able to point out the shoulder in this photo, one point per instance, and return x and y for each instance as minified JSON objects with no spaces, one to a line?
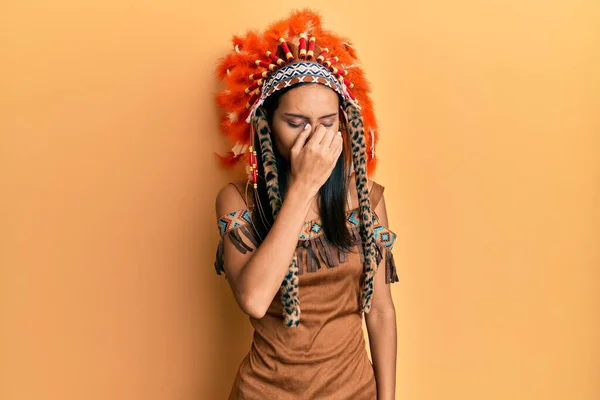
{"x":378,"y":202}
{"x":373,"y":185}
{"x":375,"y":192}
{"x":229,"y":198}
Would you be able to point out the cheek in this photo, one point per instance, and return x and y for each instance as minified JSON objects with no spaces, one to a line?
{"x":285,"y":136}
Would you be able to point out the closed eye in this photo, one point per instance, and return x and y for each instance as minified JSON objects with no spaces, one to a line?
{"x":302,"y":125}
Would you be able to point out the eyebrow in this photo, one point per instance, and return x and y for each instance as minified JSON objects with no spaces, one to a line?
{"x":306,"y":117}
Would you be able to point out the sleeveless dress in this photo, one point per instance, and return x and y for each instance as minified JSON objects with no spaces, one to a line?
{"x":325,"y":357}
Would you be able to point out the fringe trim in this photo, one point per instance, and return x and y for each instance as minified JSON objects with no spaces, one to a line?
{"x":237,"y":236}
{"x":308,"y":251}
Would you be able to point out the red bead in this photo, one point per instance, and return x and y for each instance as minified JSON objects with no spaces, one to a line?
{"x":302,"y":46}
{"x":275,"y":58}
{"x":321,"y":58}
{"x":253,"y":98}
{"x":351,"y":95}
{"x":254,"y":168}
{"x":254,"y":86}
{"x":259,"y":75}
{"x":286,"y":50}
{"x":265,"y":64}
{"x":311,"y":48}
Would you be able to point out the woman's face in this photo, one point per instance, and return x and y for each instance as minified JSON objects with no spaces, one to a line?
{"x":307,"y":104}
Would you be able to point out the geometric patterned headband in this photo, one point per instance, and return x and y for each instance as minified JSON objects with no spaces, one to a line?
{"x":298,"y":72}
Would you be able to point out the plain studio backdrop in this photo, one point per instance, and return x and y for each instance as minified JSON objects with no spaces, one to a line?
{"x":489,"y":150}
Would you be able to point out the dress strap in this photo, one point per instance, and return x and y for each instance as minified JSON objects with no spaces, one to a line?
{"x":246,"y":195}
{"x":375,"y":194}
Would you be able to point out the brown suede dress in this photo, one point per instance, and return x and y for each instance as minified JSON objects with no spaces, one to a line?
{"x":325,"y":357}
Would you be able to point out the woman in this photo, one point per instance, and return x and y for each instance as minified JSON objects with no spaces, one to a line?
{"x":298,"y":225}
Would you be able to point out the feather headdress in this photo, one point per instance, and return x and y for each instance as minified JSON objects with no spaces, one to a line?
{"x":256,"y":57}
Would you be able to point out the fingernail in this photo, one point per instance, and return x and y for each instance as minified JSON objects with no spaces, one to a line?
{"x":307,"y":126}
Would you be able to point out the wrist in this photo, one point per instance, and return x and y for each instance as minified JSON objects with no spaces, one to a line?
{"x":301,"y":192}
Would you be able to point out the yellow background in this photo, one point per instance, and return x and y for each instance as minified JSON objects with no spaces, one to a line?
{"x":489,"y":152}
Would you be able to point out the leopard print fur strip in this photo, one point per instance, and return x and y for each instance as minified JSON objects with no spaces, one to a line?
{"x":289,"y":295}
{"x":268,"y":159}
{"x":290,"y":286}
{"x":356,"y":131}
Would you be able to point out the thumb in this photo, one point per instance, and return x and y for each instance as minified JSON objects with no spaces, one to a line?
{"x":302,"y":138}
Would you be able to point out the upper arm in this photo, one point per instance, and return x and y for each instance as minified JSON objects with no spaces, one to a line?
{"x":238,"y":239}
{"x":382,"y":295}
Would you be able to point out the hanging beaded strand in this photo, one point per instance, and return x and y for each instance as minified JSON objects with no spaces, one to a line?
{"x":253,"y":167}
{"x":254,"y":170}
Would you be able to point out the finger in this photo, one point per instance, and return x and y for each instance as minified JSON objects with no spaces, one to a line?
{"x":301,"y":139}
{"x":328,"y":138}
{"x":335,"y":139}
{"x":337,"y":144}
{"x":317,"y":136}
{"x":336,"y":152}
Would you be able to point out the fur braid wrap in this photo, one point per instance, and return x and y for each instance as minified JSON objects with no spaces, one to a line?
{"x":290,"y":285}
{"x":356,"y":131}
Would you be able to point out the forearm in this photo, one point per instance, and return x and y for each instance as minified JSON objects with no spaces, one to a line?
{"x":261,"y":277}
{"x":382,"y":339}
